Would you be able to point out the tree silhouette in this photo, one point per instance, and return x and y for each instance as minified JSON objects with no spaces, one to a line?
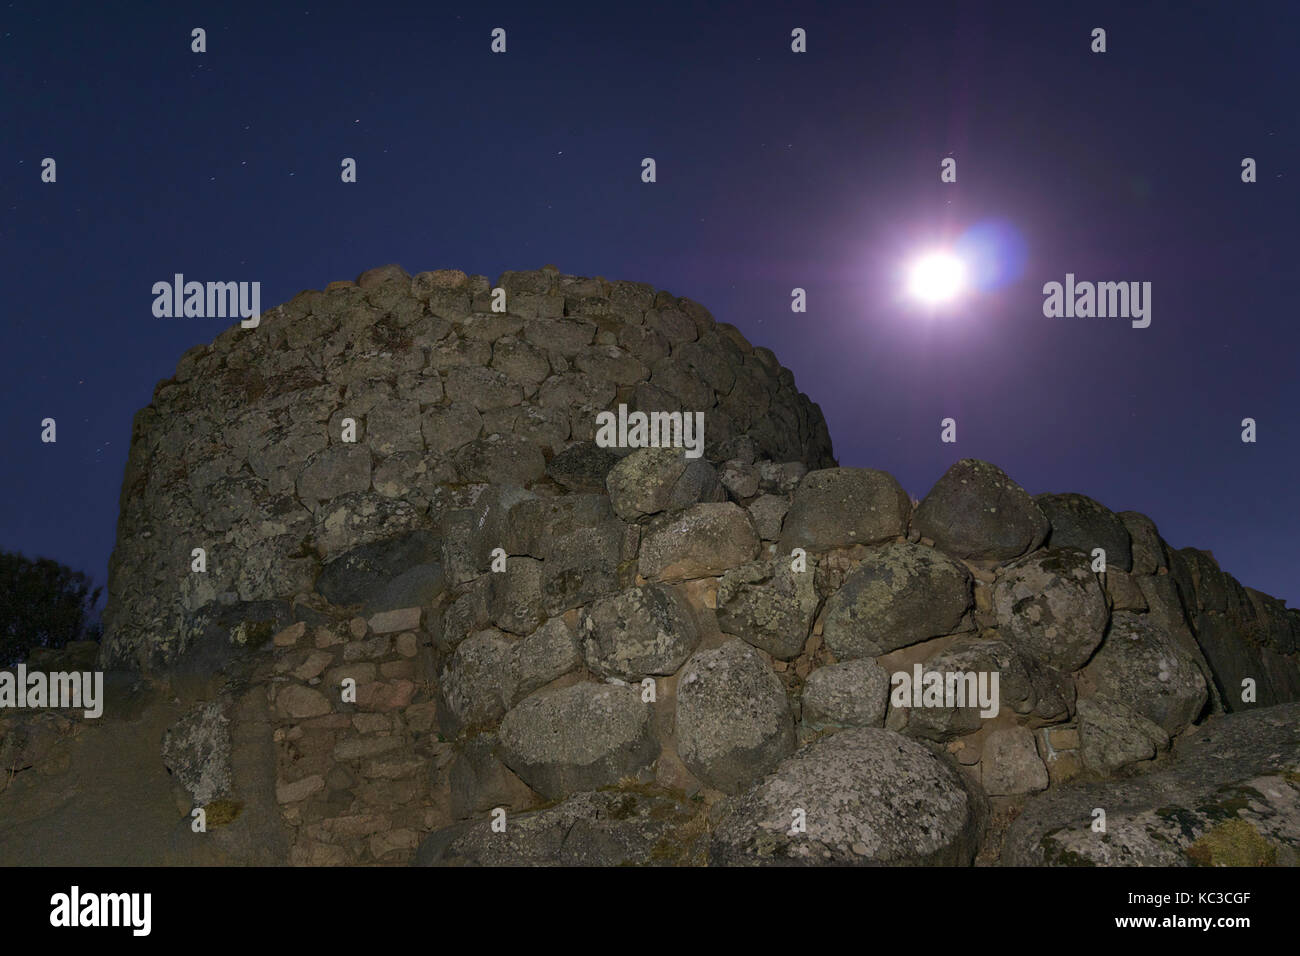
{"x":43,"y":604}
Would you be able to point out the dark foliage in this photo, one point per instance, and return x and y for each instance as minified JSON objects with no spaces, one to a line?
{"x":43,"y":604}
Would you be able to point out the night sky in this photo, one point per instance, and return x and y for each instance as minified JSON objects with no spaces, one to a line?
{"x":776,"y":170}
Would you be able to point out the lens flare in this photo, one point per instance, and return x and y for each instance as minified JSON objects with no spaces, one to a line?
{"x":994,"y":252}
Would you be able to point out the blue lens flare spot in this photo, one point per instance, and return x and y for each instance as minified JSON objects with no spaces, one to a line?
{"x":994,"y":253}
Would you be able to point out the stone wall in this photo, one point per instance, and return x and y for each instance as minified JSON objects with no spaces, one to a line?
{"x":475,"y":614}
{"x":770,"y":623}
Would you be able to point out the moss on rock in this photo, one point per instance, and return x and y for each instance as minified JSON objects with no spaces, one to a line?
{"x":1234,"y":843}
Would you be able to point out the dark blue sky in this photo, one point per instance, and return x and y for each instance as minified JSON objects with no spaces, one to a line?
{"x":775,"y":170}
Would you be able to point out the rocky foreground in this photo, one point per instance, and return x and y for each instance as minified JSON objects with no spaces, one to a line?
{"x":437,"y":622}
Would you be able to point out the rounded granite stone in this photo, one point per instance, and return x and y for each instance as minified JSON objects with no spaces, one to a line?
{"x":860,"y":797}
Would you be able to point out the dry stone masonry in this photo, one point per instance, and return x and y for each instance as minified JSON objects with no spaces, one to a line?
{"x":244,"y":452}
{"x":466,"y":632}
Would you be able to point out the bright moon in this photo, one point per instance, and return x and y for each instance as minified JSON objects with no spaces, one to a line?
{"x":937,"y":277}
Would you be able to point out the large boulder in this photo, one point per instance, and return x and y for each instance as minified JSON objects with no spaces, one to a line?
{"x":1143,"y":666}
{"x":1180,"y":570}
{"x":861,"y":797}
{"x":1244,"y":635}
{"x":196,"y":750}
{"x":370,"y":575}
{"x":534,"y":523}
{"x":1083,"y":524}
{"x":768,"y":513}
{"x":515,"y":600}
{"x":901,"y":594}
{"x":548,"y":653}
{"x":1112,"y":734}
{"x":1236,"y":663}
{"x":651,"y":480}
{"x":1010,"y":765}
{"x":471,"y":534}
{"x":1166,"y":613}
{"x":583,"y":565}
{"x":769,"y":604}
{"x":852,"y":694}
{"x":975,"y":511}
{"x":702,"y":541}
{"x":643,"y":631}
{"x":838,"y":507}
{"x":733,"y":718}
{"x":1274,"y":622}
{"x":1282,"y":674}
{"x":1051,"y":606}
{"x":478,"y":684}
{"x":1209,"y":583}
{"x":582,"y":467}
{"x":1024,"y":686}
{"x":477,"y":780}
{"x":579,"y":737}
{"x":1145,"y":545}
{"x":1229,"y":797}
